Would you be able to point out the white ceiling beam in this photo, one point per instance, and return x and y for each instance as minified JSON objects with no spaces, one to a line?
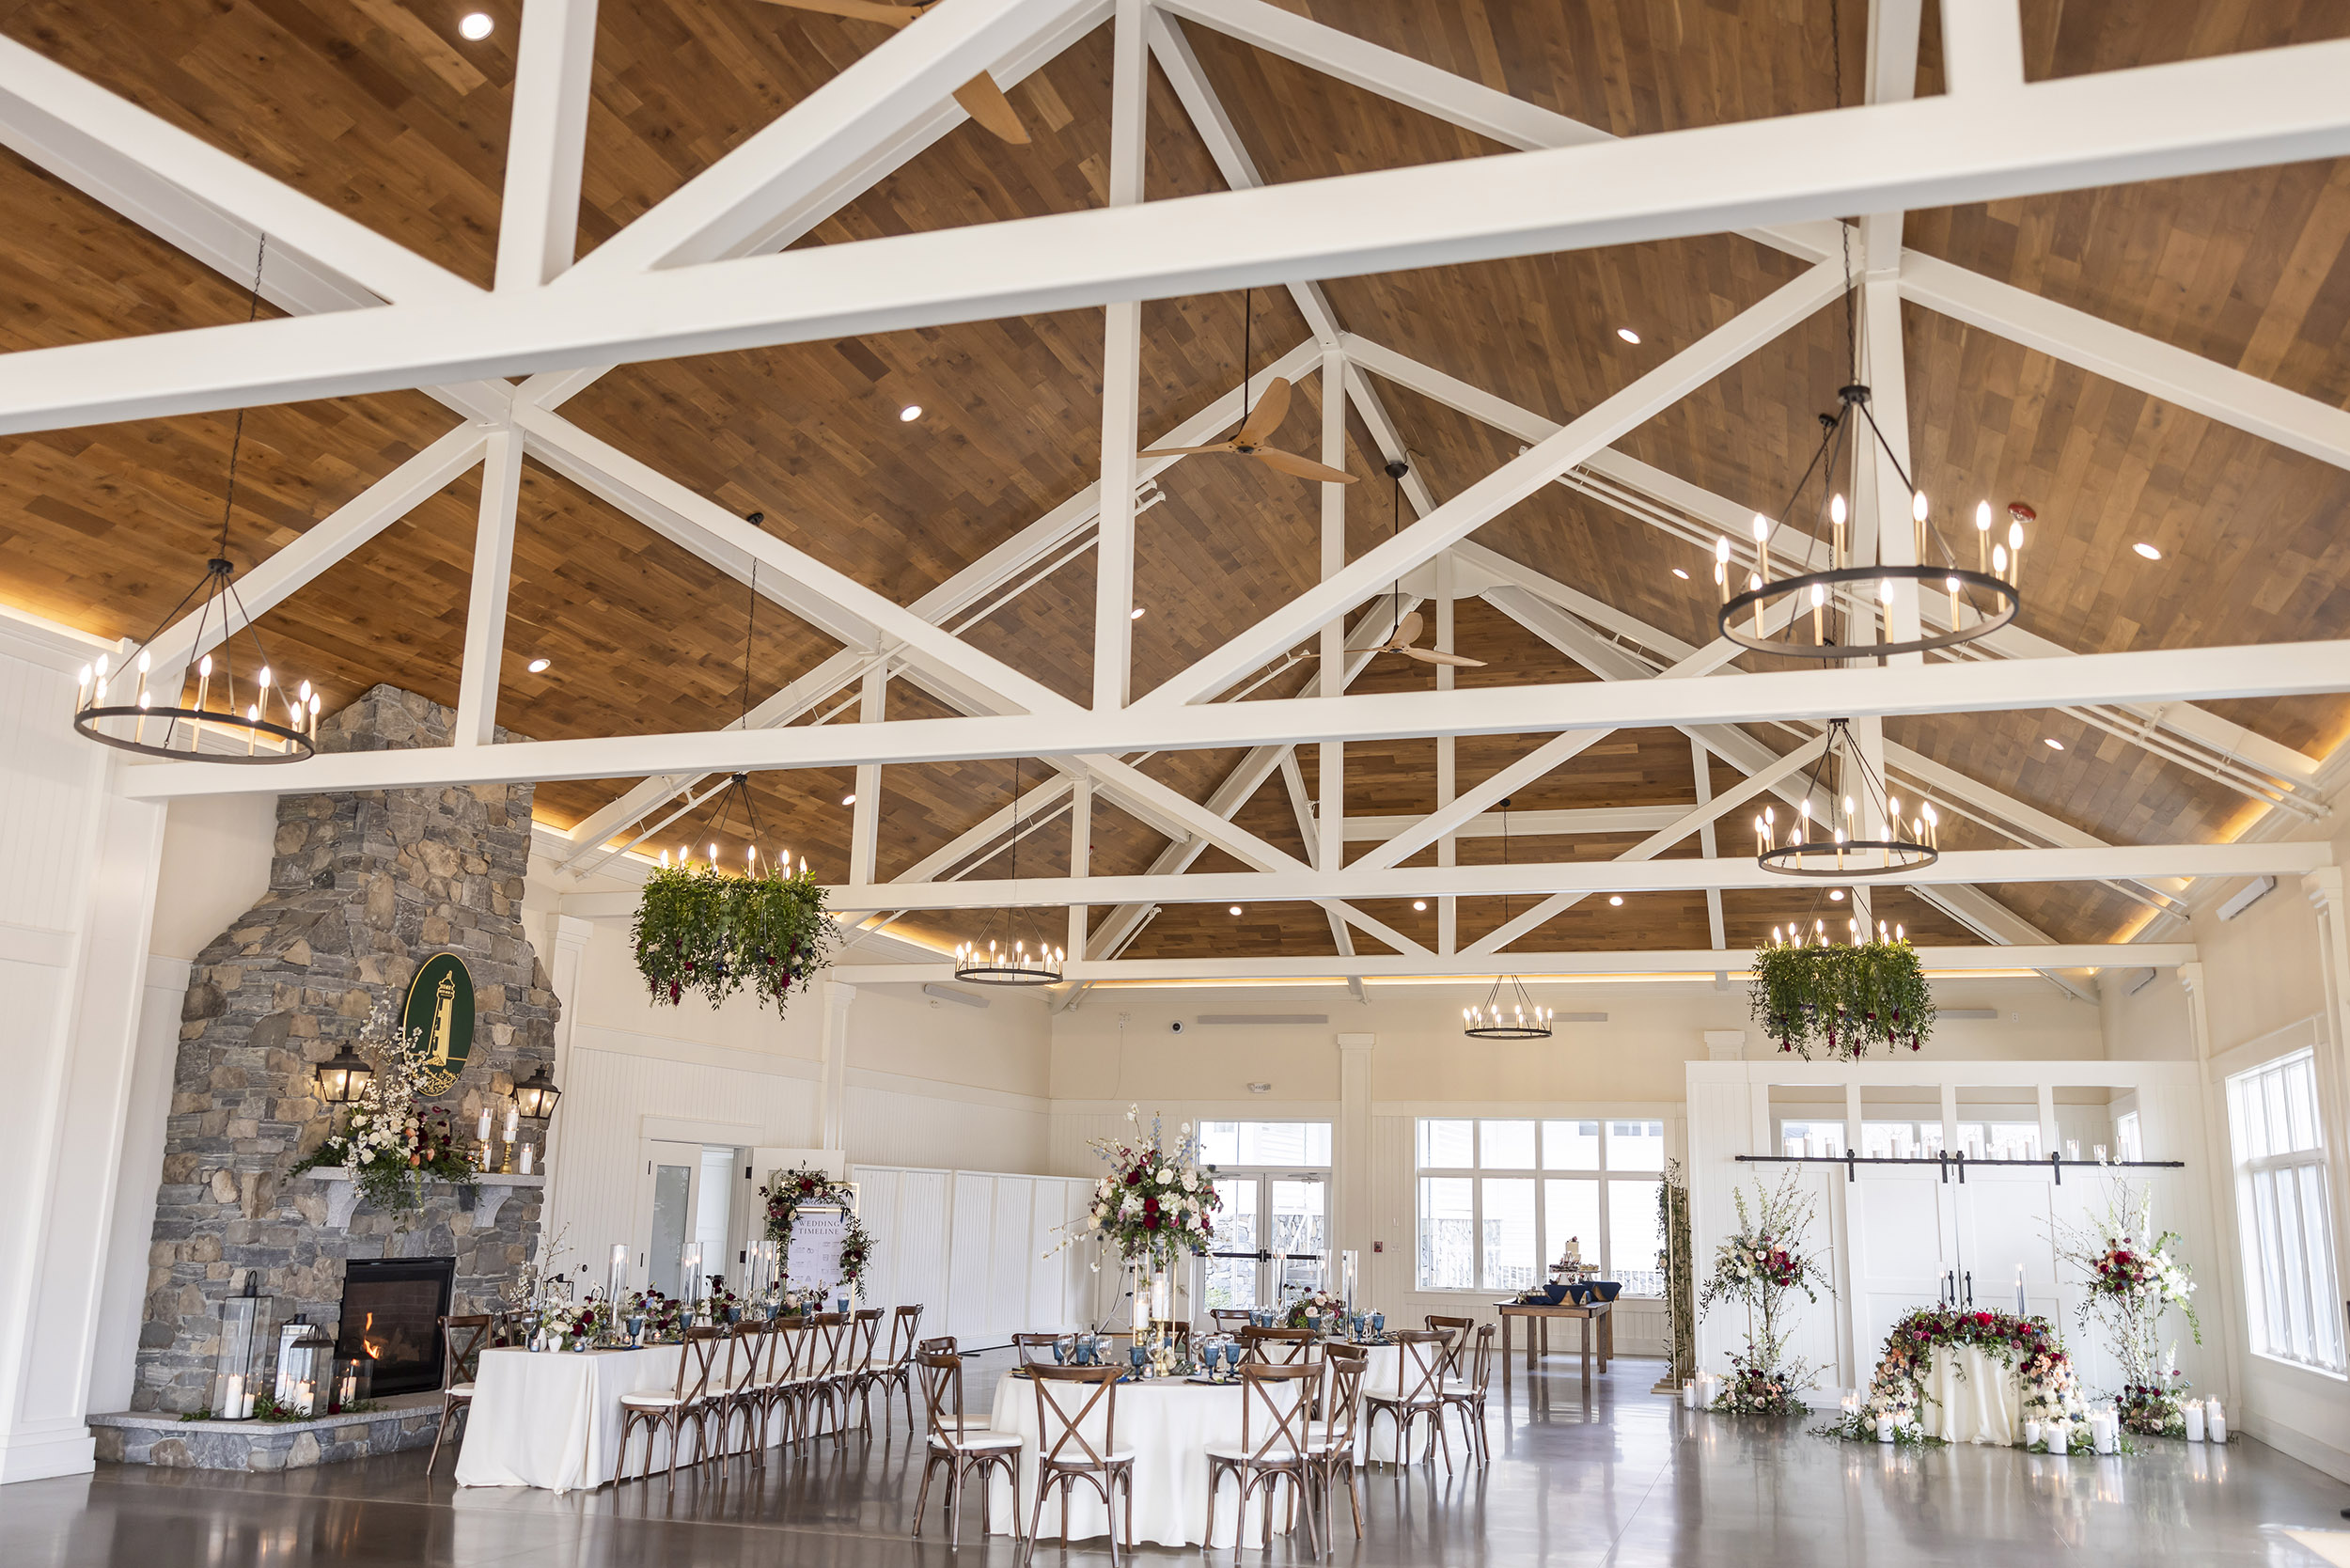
{"x":2189,"y":381}
{"x":60,"y":108}
{"x":1377,"y":828}
{"x":269,"y":583}
{"x":476,"y":720}
{"x":1122,"y":375}
{"x":1538,"y":879}
{"x":727,"y":208}
{"x":547,"y":136}
{"x":1694,"y":962}
{"x":2153,"y":675}
{"x":1500,"y":489}
{"x":2232,"y":111}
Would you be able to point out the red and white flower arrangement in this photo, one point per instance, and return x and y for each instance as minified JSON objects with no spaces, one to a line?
{"x":1159,"y":1201}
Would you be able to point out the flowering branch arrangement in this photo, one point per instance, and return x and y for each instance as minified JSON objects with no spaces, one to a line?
{"x":1756,"y":1267}
{"x":2133,"y":1277}
{"x":1841,"y":999}
{"x":392,"y":1141}
{"x":699,"y":929}
{"x":788,"y":1191}
{"x":1158,"y":1202}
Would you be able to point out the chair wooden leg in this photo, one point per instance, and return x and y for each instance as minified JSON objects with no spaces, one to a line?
{"x":930,"y":1463}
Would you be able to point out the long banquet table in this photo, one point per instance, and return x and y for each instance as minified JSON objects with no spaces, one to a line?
{"x":552,"y":1418}
{"x":1169,"y":1424}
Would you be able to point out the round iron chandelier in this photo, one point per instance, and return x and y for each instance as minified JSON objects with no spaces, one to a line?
{"x":260,"y":720}
{"x":1507,"y":1012}
{"x":1010,"y":950}
{"x":1831,"y":845}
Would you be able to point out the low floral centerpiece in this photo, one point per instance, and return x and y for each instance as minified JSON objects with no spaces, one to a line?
{"x":1756,"y":1267}
{"x":2133,"y":1277}
{"x":392,"y":1141}
{"x":787,"y":1192}
{"x":1319,"y":1310}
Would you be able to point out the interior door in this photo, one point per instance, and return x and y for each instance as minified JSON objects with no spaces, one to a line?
{"x":667,"y":1200}
{"x":1299,"y":1241}
{"x":1904,"y":1236}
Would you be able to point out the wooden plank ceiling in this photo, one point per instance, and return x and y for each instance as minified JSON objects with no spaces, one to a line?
{"x":377,"y":108}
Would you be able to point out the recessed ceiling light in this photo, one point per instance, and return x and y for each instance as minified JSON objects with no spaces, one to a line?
{"x":910,"y":413}
{"x":1236,"y":909}
{"x":2147,"y":550}
{"x":1835,"y":895}
{"x":475,"y":26}
{"x":847,"y":799}
{"x":1682,"y":575}
{"x":1627,"y":335}
{"x":2052,"y":742}
{"x":539,"y":667}
{"x":1615,"y":898}
{"x":1135,"y":614}
{"x":1419,"y":903}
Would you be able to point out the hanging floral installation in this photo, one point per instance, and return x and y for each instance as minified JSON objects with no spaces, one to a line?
{"x":1756,"y":1268}
{"x":2134,"y":1278}
{"x":787,"y":1192}
{"x":711,"y":932}
{"x":1843,"y":999}
{"x":2048,"y":1393}
{"x":393,"y":1142}
{"x":1158,"y":1204}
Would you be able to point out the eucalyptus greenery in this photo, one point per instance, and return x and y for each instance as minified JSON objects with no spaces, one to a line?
{"x":702,"y":931}
{"x":1843,"y":999}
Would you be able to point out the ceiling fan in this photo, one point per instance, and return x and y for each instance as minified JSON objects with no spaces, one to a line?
{"x":1408,"y":627}
{"x":980,"y":98}
{"x":1262,"y":420}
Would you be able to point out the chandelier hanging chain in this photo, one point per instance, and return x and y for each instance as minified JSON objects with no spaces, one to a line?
{"x":987,"y":960}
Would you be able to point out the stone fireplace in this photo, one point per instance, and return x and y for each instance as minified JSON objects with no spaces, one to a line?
{"x":364,"y":887}
{"x":391,"y":1316}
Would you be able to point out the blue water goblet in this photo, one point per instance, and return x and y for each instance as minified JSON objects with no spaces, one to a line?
{"x":1059,"y":1355}
{"x":1135,"y":1355}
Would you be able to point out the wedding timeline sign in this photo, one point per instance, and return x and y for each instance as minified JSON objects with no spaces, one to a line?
{"x":818,"y":1233}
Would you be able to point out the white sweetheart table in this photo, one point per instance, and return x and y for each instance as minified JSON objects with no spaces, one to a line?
{"x":1970,"y":1398}
{"x":552,"y":1418}
{"x":1168,"y":1424}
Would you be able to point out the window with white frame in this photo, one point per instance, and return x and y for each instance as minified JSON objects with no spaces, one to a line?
{"x":1264,"y":1143}
{"x":2275,"y":1131}
{"x":1498,"y":1198}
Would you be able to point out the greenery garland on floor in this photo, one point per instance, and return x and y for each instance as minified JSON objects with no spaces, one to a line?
{"x":699,"y":929}
{"x":1841,"y":999}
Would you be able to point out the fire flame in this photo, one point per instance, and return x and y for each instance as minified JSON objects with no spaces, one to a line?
{"x":373,"y":1350}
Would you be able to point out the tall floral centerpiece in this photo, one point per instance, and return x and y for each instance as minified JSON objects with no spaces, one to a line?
{"x":1156,"y":1207}
{"x":2134,"y":1278}
{"x":1756,"y":1268}
{"x":786,"y":1192}
{"x":392,"y":1140}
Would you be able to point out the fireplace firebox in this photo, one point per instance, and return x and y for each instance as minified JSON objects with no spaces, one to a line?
{"x":392,"y":1311}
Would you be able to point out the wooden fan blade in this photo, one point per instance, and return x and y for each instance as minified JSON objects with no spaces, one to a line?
{"x":1407,"y":630}
{"x":1430,"y":656}
{"x":1187,"y":451}
{"x":1273,"y":406}
{"x":984,"y":101}
{"x":1305,"y":468}
{"x":857,"y":10}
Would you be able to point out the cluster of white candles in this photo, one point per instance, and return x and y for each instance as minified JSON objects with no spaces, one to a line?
{"x":302,"y":707}
{"x":2004,"y":562}
{"x":1698,"y":1393}
{"x":1016,"y":957}
{"x":1518,"y":1017}
{"x":778,"y":865}
{"x":1794,"y":935}
{"x":1923,"y":828}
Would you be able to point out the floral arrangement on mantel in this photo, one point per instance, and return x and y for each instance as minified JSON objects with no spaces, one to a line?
{"x":702,"y":931}
{"x":2133,"y":1277}
{"x":1841,"y":998}
{"x":1755,"y":1268}
{"x":788,"y":1191}
{"x":1158,"y":1204}
{"x":2048,"y":1392}
{"x":391,"y":1141}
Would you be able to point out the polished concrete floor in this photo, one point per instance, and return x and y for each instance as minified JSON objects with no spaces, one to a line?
{"x":1626,"y":1478}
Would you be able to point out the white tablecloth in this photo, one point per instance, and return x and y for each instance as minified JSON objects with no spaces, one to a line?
{"x":1170,"y":1426}
{"x":552,"y":1418}
{"x":1970,"y":1398}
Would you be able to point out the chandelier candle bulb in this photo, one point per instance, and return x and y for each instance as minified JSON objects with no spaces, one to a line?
{"x":1836,"y":516}
{"x":1819,"y":613}
{"x":1754,"y":585}
{"x":1762,"y":548}
{"x":203,"y":690}
{"x":1982,"y":536}
{"x":1918,"y":516}
{"x":1721,"y":570}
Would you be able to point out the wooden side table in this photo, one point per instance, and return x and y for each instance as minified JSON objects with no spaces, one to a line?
{"x":1599,"y":1324}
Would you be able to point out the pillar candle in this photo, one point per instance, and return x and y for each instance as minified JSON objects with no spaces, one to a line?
{"x":513,"y":1122}
{"x":2032,"y":1433}
{"x":232,"y":1403}
{"x":484,"y":1133}
{"x":2193,"y":1412}
{"x":526,"y":1167}
{"x":2214,"y":1422}
{"x":1885,"y":1429}
{"x":1689,"y":1394}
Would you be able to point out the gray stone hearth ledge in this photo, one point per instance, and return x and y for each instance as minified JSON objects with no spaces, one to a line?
{"x":158,"y":1437}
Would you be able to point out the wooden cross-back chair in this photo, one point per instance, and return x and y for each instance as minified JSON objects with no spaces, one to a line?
{"x":1467,"y":1396}
{"x":1276,"y":1440}
{"x":827,"y":1381}
{"x":965,"y":1450}
{"x":1420,"y":1392}
{"x":1068,"y":1450}
{"x":462,"y":1340}
{"x":670,"y":1412}
{"x":1280,"y":1347}
{"x":895,"y":1368}
{"x":1456,"y":1332}
{"x":1331,"y":1453}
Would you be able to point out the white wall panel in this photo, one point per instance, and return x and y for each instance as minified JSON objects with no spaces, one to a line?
{"x":955,"y":1129}
{"x":968,"y":1270}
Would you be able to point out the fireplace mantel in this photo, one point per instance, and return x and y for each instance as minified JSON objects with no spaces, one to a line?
{"x":492,"y":1189}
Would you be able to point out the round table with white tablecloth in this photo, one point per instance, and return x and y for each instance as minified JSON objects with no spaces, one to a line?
{"x":552,"y":1418}
{"x":1169,"y":1424}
